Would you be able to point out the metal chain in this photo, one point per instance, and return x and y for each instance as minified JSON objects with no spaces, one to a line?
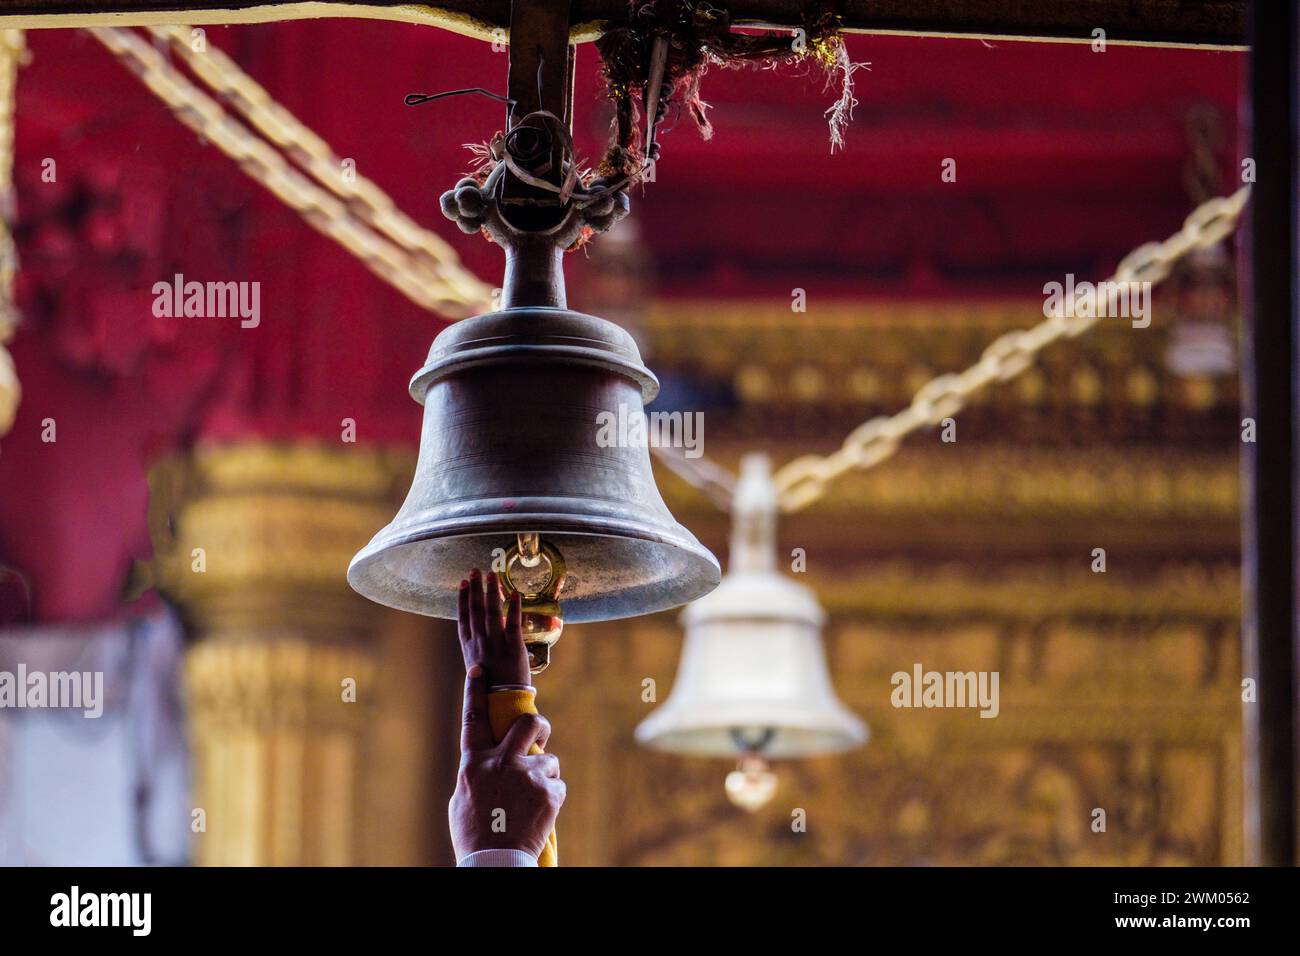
{"x":715,"y":481}
{"x":449,"y":290}
{"x":370,"y":203}
{"x":12,"y":48}
{"x":804,"y":480}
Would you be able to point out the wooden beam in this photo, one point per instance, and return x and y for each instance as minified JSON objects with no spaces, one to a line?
{"x":1199,"y":23}
{"x":1269,"y":374}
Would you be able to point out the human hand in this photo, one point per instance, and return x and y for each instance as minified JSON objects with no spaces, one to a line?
{"x":505,"y":799}
{"x":488,"y":638}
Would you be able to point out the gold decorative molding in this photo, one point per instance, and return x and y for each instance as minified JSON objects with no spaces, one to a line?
{"x":970,"y":498}
{"x":994,"y":480}
{"x":347,"y":470}
{"x":1037,"y":592}
{"x":255,"y":535}
{"x":879,"y":352}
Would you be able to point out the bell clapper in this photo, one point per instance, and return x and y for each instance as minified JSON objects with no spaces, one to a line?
{"x":753,"y":783}
{"x":543,"y":619}
{"x":530,"y":548}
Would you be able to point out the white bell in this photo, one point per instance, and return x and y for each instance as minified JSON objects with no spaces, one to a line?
{"x":752,"y":681}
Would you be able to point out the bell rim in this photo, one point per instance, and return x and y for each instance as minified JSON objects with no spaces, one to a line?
{"x":544,"y":523}
{"x":839,"y":729}
{"x":549,"y":524}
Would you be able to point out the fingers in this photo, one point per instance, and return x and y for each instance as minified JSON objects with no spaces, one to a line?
{"x":462,"y":624}
{"x":523,"y":733}
{"x":484,"y":635}
{"x":495,"y":626}
{"x":514,"y":633}
{"x":544,"y":731}
{"x":512,"y":639}
{"x":547,"y":765}
{"x":475,"y":729}
{"x":478,"y":626}
{"x":558,"y":791}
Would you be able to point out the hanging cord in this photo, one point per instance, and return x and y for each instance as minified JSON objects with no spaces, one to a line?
{"x":578,"y":185}
{"x":522,"y":148}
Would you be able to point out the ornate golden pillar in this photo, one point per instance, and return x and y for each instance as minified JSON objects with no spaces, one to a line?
{"x":253,"y":542}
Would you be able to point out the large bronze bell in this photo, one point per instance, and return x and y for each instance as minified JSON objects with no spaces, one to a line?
{"x":509,"y":455}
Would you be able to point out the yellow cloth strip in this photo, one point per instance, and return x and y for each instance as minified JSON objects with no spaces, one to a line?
{"x":504,"y":708}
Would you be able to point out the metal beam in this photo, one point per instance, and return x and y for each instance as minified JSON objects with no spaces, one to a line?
{"x":539,"y":57}
{"x":1270,"y":384}
{"x":1200,"y":23}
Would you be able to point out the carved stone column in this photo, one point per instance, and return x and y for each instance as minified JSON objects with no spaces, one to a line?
{"x":253,"y":542}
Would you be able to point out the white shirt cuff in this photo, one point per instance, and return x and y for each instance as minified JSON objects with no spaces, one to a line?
{"x":498,"y":858}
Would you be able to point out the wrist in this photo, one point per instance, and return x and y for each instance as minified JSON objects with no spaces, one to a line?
{"x":498,"y":843}
{"x":511,"y":672}
{"x":498,"y":857}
